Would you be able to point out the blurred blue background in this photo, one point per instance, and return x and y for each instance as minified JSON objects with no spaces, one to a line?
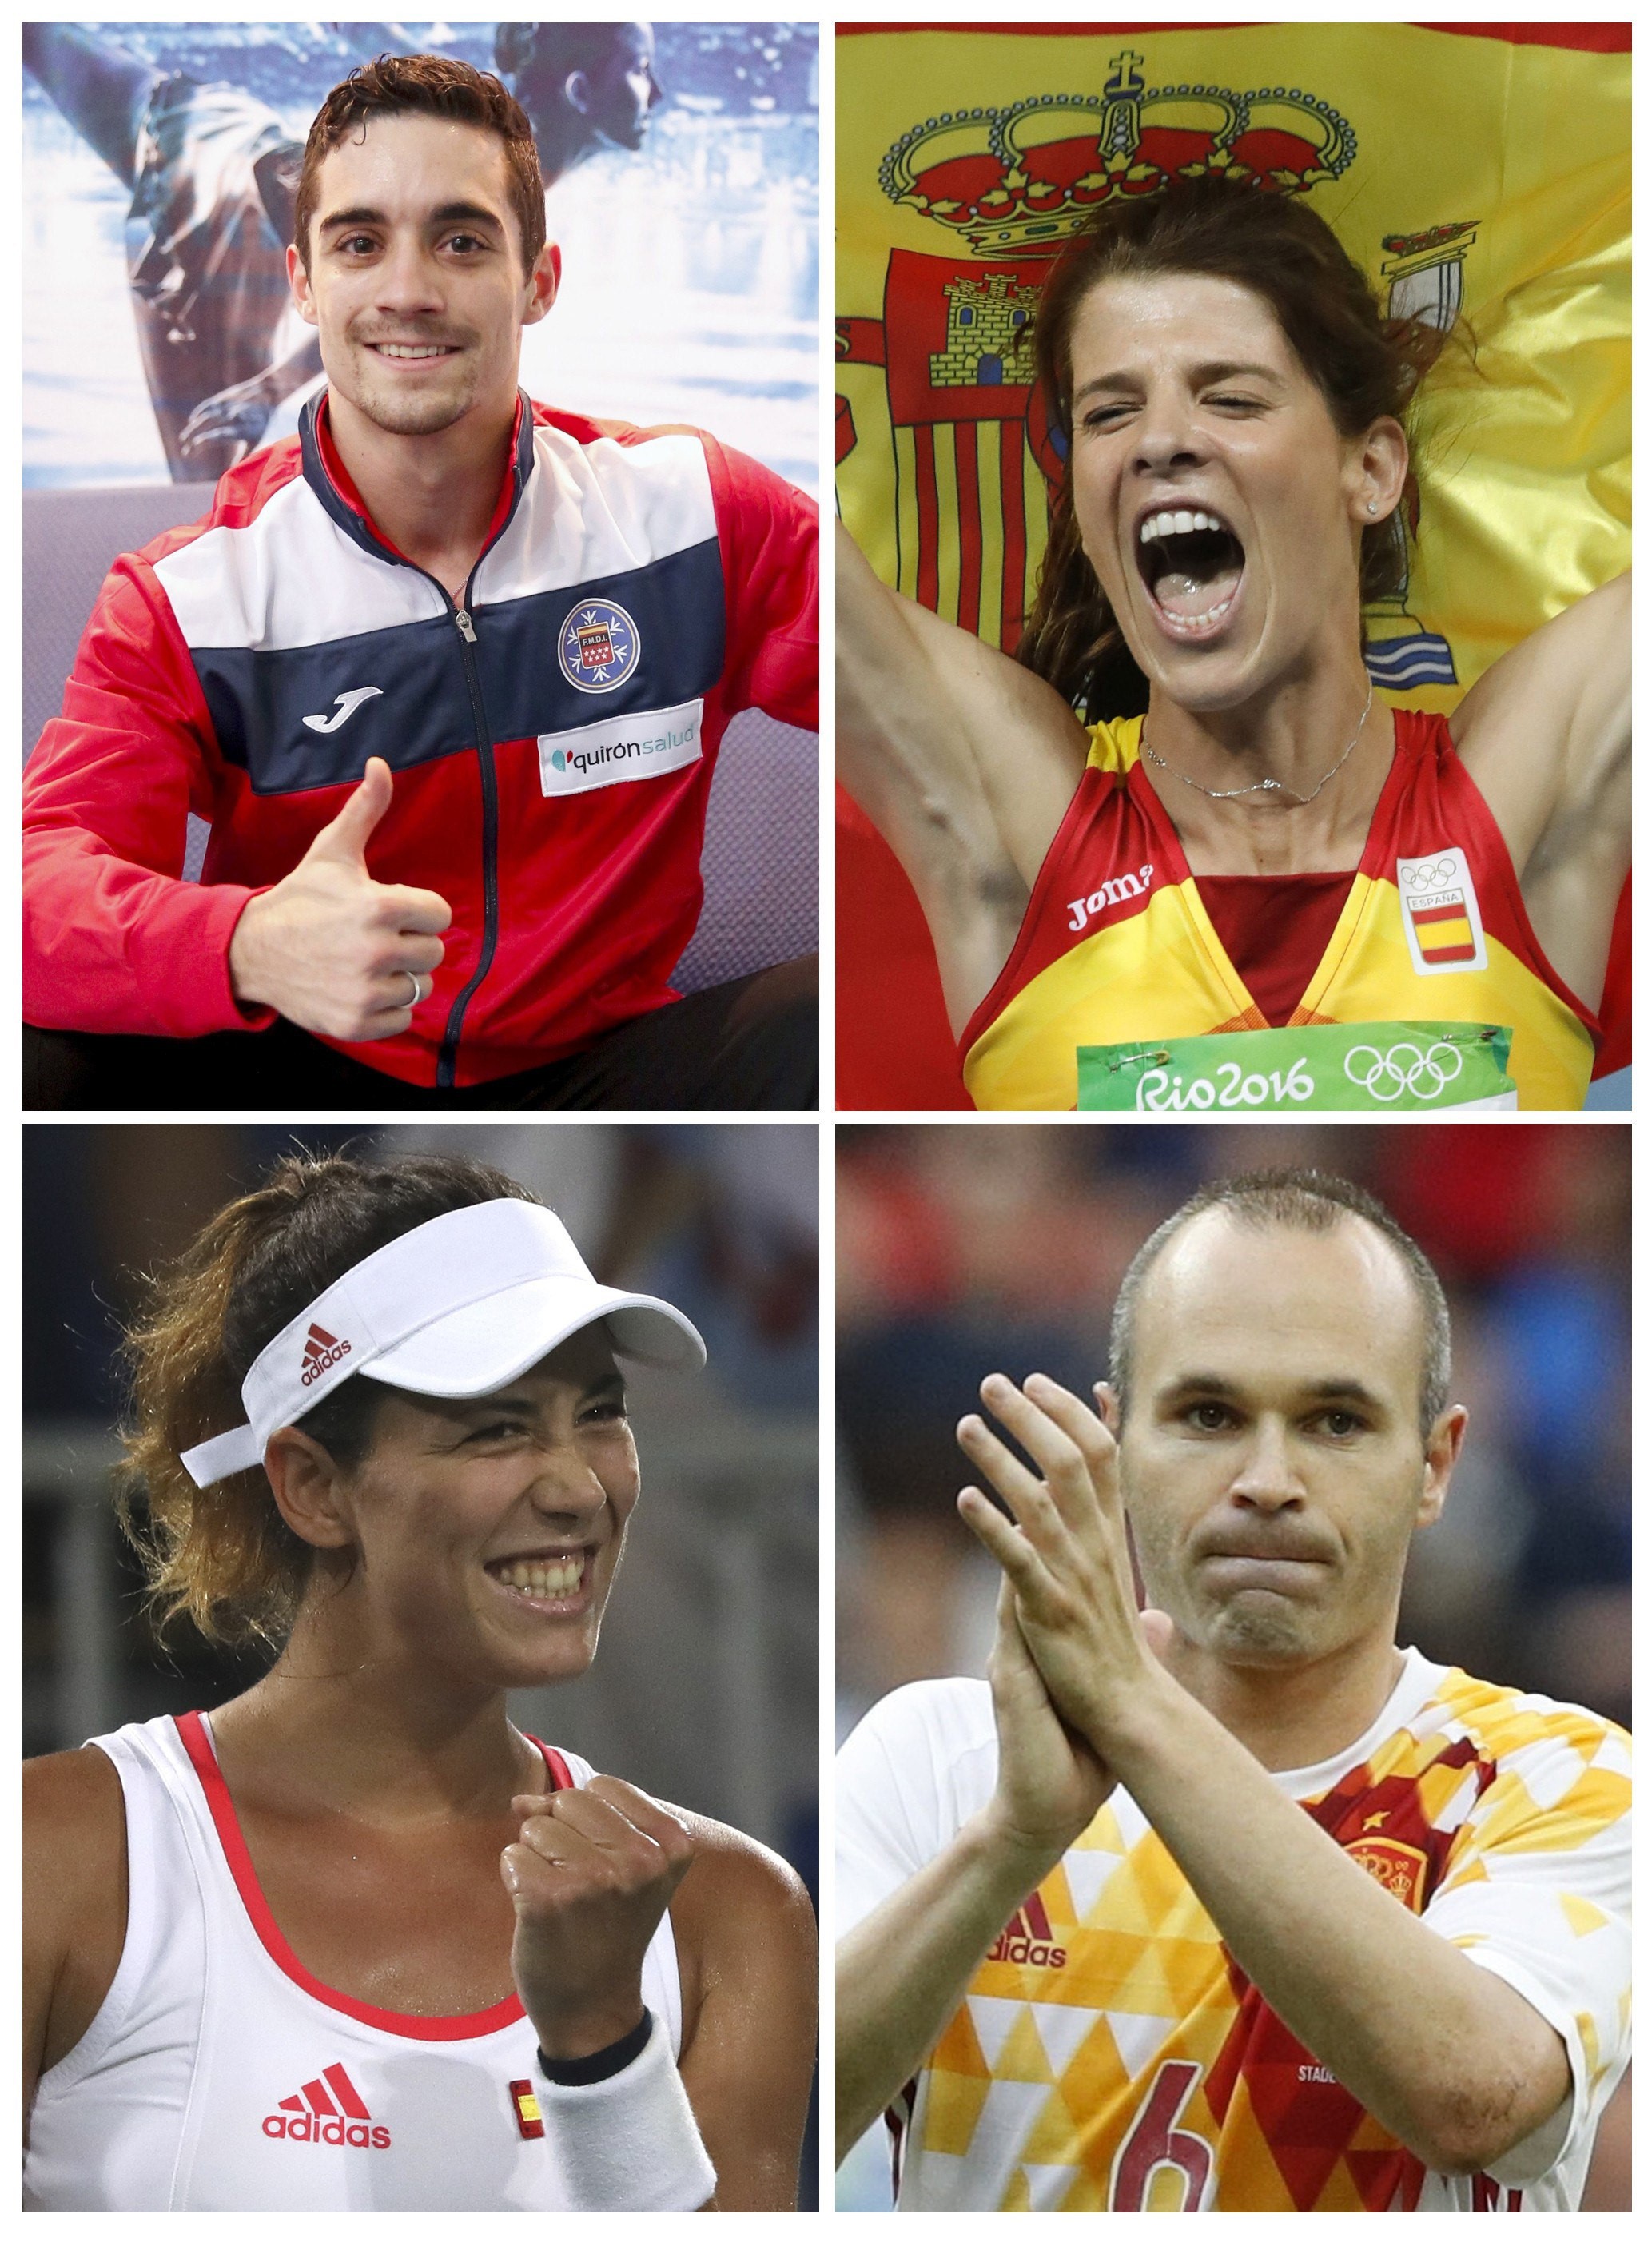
{"x":691,"y":266}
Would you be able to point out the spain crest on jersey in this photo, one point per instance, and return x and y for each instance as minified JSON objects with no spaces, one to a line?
{"x":1401,"y":1869}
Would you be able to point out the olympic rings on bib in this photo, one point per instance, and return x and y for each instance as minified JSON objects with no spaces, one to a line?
{"x":1386,"y":1080}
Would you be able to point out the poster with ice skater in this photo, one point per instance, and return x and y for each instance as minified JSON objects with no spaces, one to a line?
{"x":160,"y":163}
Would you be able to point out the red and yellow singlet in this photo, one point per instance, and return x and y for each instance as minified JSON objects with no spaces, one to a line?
{"x":1118,"y":955}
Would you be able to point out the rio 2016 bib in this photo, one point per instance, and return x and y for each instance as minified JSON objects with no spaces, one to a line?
{"x":1370,"y":1066}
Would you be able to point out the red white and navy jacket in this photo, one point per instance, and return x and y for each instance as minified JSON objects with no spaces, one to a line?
{"x":552,"y":740}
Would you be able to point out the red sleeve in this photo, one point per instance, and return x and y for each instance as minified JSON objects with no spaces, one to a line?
{"x":770,"y":534}
{"x":114,"y":940}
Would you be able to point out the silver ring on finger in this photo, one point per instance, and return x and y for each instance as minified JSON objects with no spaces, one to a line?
{"x":418,"y":995}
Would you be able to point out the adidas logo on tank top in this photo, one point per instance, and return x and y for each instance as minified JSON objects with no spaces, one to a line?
{"x":327,"y":2109}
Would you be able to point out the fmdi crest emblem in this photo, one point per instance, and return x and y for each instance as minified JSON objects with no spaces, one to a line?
{"x":1010,"y":187}
{"x":598,"y":647}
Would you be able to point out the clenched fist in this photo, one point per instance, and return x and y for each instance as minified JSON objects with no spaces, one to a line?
{"x":331,"y":948}
{"x":591,"y":1875}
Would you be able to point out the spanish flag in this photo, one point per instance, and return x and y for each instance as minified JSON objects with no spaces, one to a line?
{"x":1480,"y":173}
{"x":1445,"y":936}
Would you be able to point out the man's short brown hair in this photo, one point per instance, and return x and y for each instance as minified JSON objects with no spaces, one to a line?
{"x":426,"y":85}
{"x":1304,"y":1199}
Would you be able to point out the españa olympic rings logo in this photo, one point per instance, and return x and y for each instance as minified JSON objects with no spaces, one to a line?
{"x":1431,"y":875}
{"x":1385,"y":1079}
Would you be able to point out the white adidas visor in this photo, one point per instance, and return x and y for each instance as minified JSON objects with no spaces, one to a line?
{"x":460,"y":1306}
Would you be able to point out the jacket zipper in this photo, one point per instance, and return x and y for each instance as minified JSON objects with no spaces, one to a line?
{"x":447,"y":1058}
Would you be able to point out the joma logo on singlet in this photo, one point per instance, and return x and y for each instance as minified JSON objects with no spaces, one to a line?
{"x":1082,"y":908}
{"x":328,"y":2109}
{"x":321,"y":1351}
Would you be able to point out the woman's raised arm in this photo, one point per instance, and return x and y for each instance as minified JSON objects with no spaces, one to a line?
{"x":965,"y":762}
{"x":1545,"y":735}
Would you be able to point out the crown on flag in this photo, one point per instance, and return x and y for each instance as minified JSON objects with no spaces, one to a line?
{"x":1025,"y":179}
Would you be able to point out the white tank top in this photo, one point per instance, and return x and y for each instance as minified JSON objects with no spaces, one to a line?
{"x":219,"y":2075}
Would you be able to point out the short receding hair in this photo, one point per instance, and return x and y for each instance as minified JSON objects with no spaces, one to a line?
{"x":426,"y":85}
{"x":1302,"y":1199}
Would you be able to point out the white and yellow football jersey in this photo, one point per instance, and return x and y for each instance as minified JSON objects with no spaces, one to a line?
{"x":1110,"y":2056}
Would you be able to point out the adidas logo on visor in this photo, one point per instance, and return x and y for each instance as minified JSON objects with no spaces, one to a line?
{"x":321,"y":1351}
{"x":474,"y":1269}
{"x":327,"y":2109}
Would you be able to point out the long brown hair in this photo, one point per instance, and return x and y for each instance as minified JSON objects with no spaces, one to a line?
{"x":223,"y":1556}
{"x":426,"y":85}
{"x":1364,"y":367}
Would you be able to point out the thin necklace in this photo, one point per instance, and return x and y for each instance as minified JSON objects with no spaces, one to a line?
{"x":1266,"y":785}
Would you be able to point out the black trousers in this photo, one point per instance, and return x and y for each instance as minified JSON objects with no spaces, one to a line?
{"x":751,"y":1044}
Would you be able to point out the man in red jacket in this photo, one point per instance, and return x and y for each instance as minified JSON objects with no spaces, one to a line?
{"x":446,"y":674}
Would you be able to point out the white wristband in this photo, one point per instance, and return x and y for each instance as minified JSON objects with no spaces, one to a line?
{"x":630,"y":2142}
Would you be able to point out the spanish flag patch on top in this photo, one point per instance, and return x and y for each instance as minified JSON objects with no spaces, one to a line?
{"x":530,"y":2121}
{"x":1441,"y":912}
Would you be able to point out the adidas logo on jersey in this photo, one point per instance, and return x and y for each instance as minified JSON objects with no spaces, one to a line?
{"x":321,"y":1351}
{"x":328,"y":2109}
{"x":1027,"y":1937}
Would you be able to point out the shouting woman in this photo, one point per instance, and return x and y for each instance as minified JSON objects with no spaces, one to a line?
{"x":1392,"y":910}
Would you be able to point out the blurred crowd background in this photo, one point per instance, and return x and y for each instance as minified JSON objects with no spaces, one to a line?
{"x":705,"y":1689}
{"x":962,"y":1249}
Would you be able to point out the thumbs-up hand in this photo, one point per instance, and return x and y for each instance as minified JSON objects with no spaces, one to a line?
{"x":331,"y":948}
